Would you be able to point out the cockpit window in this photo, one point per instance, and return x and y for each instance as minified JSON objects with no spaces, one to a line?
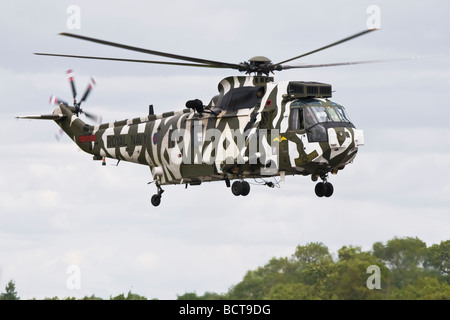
{"x":340,"y":110}
{"x":310,"y":118}
{"x":301,"y":117}
{"x":321,"y":114}
{"x":333,"y":114}
{"x":316,"y":116}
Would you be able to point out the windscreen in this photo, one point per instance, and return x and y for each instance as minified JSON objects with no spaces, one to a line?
{"x":316,"y":116}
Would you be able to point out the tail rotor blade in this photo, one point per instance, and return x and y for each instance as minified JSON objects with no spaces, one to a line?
{"x":88,"y":90}
{"x":54,"y":100}
{"x":72,"y":83}
{"x":59,"y":134}
{"x":93,"y":117}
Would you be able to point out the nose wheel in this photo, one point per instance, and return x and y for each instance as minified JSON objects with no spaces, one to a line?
{"x":324,"y":188}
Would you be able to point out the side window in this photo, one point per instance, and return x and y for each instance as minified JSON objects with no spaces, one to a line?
{"x":241,"y":98}
{"x":197,"y":134}
{"x":171,"y":142}
{"x":317,"y":133}
{"x":296,"y":119}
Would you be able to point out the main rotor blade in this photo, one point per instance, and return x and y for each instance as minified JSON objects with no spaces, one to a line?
{"x":328,"y":46}
{"x":152,"y":52}
{"x":336,"y":64}
{"x":132,"y":60}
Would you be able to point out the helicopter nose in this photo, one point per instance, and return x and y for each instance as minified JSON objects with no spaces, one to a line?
{"x":359,"y":137}
{"x":339,"y":138}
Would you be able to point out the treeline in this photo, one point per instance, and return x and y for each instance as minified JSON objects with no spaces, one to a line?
{"x":402,"y":268}
{"x":11,"y":294}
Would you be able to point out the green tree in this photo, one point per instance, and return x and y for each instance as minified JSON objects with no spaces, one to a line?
{"x":313,"y":252}
{"x":407,"y":270}
{"x":307,"y":270}
{"x":312,"y":262}
{"x":438,"y":257}
{"x":189,"y":296}
{"x":10,"y":292}
{"x":206,"y":296}
{"x":405,"y":257}
{"x":250,"y":288}
{"x":406,"y":253}
{"x":292,"y":291}
{"x":425,"y":288}
{"x":130,"y":296}
{"x":257,"y":283}
{"x":348,"y":279}
{"x":92,"y":297}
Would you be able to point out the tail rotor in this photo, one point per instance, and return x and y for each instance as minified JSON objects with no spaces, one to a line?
{"x":76,"y":109}
{"x":77,"y":104}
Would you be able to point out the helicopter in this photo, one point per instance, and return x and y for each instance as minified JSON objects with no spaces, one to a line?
{"x":254,"y":128}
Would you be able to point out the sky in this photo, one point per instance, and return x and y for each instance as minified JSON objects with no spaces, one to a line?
{"x":71,"y":227}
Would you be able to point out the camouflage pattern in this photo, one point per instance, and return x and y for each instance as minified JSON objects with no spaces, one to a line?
{"x":224,"y":142}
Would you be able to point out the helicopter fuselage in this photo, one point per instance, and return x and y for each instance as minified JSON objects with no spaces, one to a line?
{"x":254,"y":128}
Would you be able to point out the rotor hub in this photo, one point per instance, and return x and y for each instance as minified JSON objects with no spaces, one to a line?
{"x":259,"y":65}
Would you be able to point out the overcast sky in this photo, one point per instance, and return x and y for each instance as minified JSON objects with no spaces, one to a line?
{"x":64,"y":215}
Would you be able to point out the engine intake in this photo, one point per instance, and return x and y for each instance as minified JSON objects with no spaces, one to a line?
{"x":302,"y":89}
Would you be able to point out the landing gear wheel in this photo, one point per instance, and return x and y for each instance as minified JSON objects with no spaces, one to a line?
{"x":237,"y":188}
{"x":324,"y":189}
{"x":320,"y":189}
{"x":245,"y":188}
{"x":329,"y":189}
{"x":156,"y":200}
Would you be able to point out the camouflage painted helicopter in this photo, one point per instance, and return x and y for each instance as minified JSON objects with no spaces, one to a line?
{"x":254,"y":128}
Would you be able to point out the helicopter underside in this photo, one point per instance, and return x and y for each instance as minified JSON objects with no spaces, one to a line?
{"x":318,"y":160}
